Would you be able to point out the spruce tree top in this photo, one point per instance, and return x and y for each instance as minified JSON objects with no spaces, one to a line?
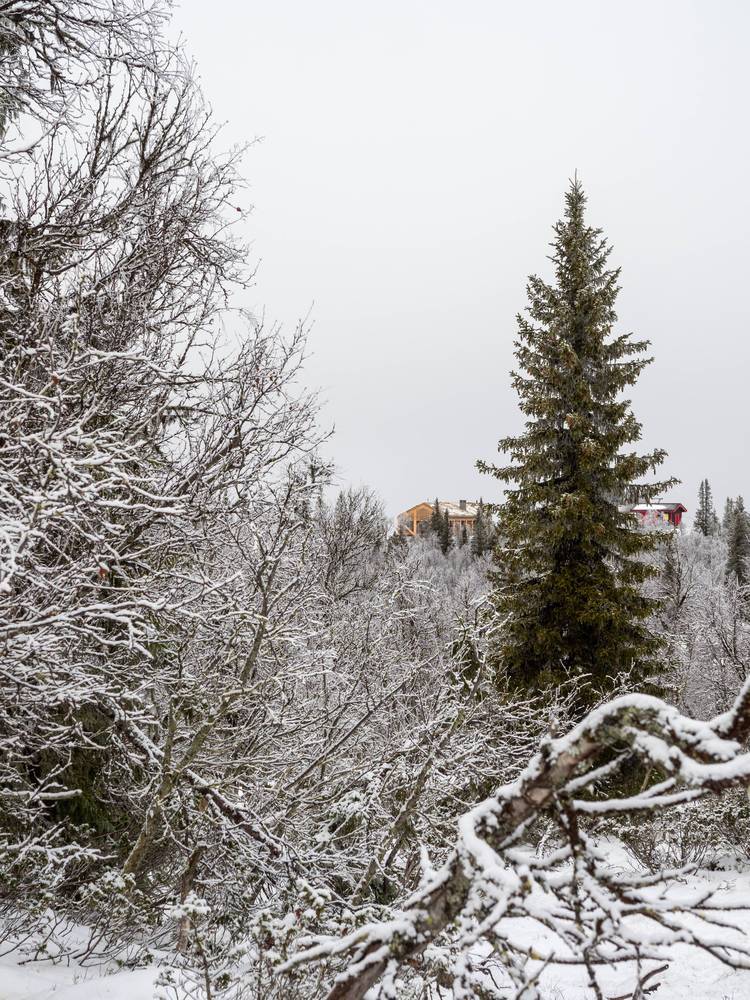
{"x":567,"y":594}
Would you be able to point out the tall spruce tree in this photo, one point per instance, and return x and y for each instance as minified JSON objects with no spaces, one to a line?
{"x":738,"y":544}
{"x":705,"y":520}
{"x":567,"y":593}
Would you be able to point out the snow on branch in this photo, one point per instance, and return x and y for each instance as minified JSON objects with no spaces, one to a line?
{"x":584,"y":911}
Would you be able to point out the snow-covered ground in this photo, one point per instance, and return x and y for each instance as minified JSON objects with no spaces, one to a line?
{"x":691,"y":975}
{"x":39,"y":981}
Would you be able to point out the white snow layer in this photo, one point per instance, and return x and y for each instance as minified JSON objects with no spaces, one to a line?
{"x":692,"y":974}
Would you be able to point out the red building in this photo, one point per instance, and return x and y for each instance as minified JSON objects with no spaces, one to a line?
{"x":659,"y":513}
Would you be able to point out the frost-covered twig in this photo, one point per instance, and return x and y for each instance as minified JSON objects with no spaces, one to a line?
{"x":586,"y":912}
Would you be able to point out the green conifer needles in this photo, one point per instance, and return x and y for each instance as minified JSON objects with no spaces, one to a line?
{"x":567,"y":594}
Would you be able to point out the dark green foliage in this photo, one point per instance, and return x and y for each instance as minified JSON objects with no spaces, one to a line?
{"x":567,"y":595}
{"x":705,"y":521}
{"x":464,"y":536}
{"x":445,"y":533}
{"x":738,"y":544}
{"x":482,"y":540}
{"x":436,"y":520}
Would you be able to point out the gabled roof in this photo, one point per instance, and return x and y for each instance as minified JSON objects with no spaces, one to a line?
{"x":452,"y":506}
{"x":659,"y":506}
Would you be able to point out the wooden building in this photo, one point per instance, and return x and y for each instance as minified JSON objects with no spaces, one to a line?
{"x":416,"y":520}
{"x":656,"y":514}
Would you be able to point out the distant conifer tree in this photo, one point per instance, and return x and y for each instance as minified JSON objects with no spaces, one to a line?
{"x":738,"y":544}
{"x":705,"y":520}
{"x":436,"y":520}
{"x":726,"y":521}
{"x":445,"y":533}
{"x":481,"y":541}
{"x":567,"y":594}
{"x":464,"y":535}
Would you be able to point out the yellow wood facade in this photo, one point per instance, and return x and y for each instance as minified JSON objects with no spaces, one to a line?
{"x":460,"y":515}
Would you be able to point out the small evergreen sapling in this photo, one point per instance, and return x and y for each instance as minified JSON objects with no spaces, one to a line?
{"x":567,"y":596}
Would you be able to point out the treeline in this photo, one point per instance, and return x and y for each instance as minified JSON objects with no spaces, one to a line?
{"x":734,"y":527}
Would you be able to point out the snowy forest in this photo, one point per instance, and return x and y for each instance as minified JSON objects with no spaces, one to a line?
{"x":253,"y":742}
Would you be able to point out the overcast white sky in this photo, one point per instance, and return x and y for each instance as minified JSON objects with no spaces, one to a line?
{"x":414,"y":158}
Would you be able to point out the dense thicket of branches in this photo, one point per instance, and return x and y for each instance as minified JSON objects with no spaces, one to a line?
{"x":584,"y":911}
{"x":213,"y":682}
{"x":151,"y":479}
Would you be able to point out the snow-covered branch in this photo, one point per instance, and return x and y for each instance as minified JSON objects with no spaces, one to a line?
{"x":585,"y":911}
